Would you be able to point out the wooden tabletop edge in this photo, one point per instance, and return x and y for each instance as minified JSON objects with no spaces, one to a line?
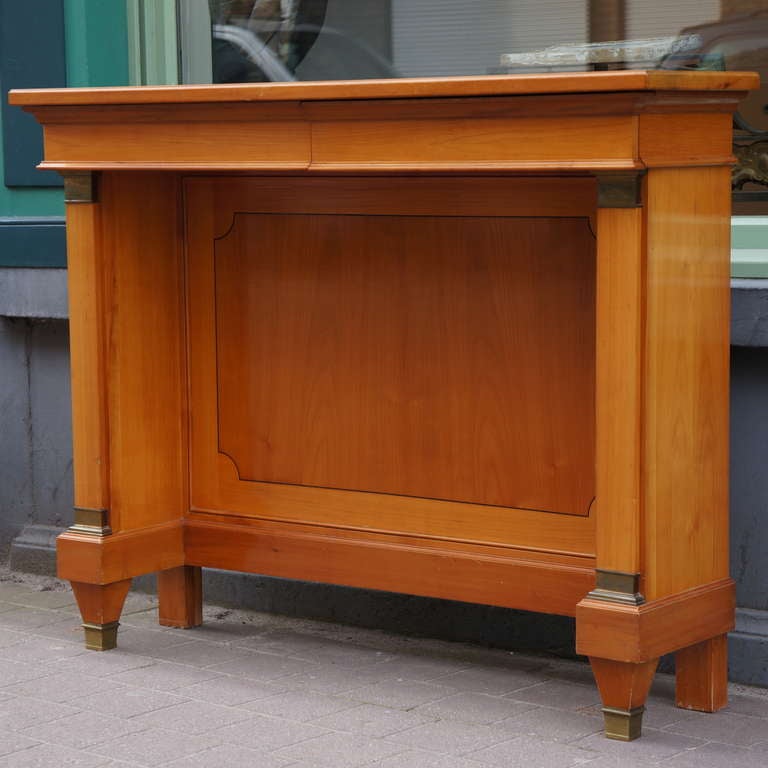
{"x":491,"y":85}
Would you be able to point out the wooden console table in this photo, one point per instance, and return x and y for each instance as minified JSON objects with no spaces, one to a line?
{"x":464,"y":338}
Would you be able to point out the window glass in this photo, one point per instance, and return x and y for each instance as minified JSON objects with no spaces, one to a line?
{"x":267,"y":40}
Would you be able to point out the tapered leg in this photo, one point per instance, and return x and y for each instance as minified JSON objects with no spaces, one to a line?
{"x":180,"y":593}
{"x":100,"y":607}
{"x":701,"y":675}
{"x":623,"y":688}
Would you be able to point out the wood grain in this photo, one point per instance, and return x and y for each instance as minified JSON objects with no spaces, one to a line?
{"x":106,"y":559}
{"x":398,"y":355}
{"x":685,"y":432}
{"x":640,"y":633}
{"x":701,"y":675}
{"x":630,"y":80}
{"x":89,"y":286}
{"x":619,"y":387}
{"x":215,"y":483}
{"x":180,"y":597}
{"x":147,"y":382}
{"x":389,"y":563}
{"x":100,"y":604}
{"x":623,"y":686}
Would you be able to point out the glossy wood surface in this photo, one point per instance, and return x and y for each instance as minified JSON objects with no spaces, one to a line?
{"x":685,"y":432}
{"x":612,"y":120}
{"x":299,"y":321}
{"x":88,"y":289}
{"x":119,"y":556}
{"x":473,"y":573}
{"x":619,"y":387}
{"x":622,"y":685}
{"x":146,"y":382}
{"x":701,"y":675}
{"x":180,"y":597}
{"x":397,"y":355}
{"x":630,"y":80}
{"x":100,"y":604}
{"x":612,"y":630}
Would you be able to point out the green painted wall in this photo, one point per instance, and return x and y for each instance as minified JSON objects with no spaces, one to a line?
{"x":97,"y":54}
{"x":96,"y":42}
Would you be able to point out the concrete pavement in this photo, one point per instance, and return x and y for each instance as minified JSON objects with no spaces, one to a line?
{"x":252,"y":689}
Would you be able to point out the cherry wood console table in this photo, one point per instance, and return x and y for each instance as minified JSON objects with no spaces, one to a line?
{"x":465,"y":338}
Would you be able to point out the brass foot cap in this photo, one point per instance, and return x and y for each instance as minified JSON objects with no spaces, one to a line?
{"x":101,"y":637}
{"x":623,"y":724}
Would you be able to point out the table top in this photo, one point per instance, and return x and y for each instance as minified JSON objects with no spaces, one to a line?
{"x":492,"y":85}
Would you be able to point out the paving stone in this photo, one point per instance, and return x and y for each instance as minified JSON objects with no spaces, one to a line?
{"x":40,"y":650}
{"x":399,"y":694}
{"x":44,"y":599}
{"x":300,"y":705}
{"x":230,"y":691}
{"x":532,"y":753}
{"x":145,"y":642}
{"x":10,"y":589}
{"x":569,"y":672}
{"x":69,"y":629}
{"x":9,"y":637}
{"x":14,"y":742}
{"x":373,"y":720}
{"x":163,"y":676}
{"x":195,"y":717}
{"x":658,"y":714}
{"x":756,"y":706}
{"x":420,"y":669}
{"x":19,"y":713}
{"x":200,"y":654}
{"x":559,"y":695}
{"x":420,"y":759}
{"x":153,"y":746}
{"x":229,"y":756}
{"x":492,"y":680}
{"x":348,"y":655}
{"x":291,"y":643}
{"x":82,"y":729}
{"x":226,"y":633}
{"x":264,"y":666}
{"x":62,"y":687}
{"x":340,"y":750}
{"x":452,"y":737}
{"x":104,"y":664}
{"x":653,"y":745}
{"x":479,"y":708}
{"x":714,"y":755}
{"x":624,"y":761}
{"x":15,"y":672}
{"x":554,"y":724}
{"x":267,"y":733}
{"x":28,"y":618}
{"x":137,"y":602}
{"x":52,"y":756}
{"x":334,"y":680}
{"x":724,"y":727}
{"x":127,"y":701}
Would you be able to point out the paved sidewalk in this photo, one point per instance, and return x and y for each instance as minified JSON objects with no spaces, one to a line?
{"x":251,"y":689}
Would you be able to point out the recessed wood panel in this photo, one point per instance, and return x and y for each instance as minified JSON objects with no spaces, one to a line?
{"x":438,"y":357}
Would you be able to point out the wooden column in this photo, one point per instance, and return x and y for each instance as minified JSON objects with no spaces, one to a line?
{"x":623,"y":684}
